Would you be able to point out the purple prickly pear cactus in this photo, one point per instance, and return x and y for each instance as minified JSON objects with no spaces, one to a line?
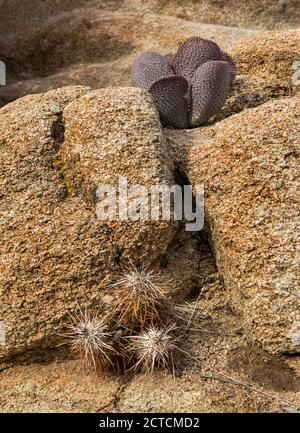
{"x":188,"y":87}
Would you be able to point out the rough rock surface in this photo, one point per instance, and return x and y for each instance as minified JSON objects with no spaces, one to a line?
{"x":264,"y":14}
{"x":93,"y":47}
{"x":115,"y":132}
{"x":249,"y":167}
{"x":54,"y":250}
{"x":236,"y":281}
{"x":217,"y":346}
{"x":269,"y":55}
{"x":250,"y":91}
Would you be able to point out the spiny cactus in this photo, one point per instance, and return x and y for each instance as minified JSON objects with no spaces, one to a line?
{"x":139,"y":295}
{"x":89,"y":337}
{"x":139,"y":330}
{"x":188,"y":87}
{"x":154,"y":348}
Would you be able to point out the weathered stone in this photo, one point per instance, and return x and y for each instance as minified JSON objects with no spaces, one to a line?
{"x":112,"y":133}
{"x":248,"y":92}
{"x":249,"y":165}
{"x":93,"y":47}
{"x":55,"y":253}
{"x":268,"y":55}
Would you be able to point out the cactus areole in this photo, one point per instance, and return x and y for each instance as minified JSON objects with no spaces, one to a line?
{"x":188,"y":87}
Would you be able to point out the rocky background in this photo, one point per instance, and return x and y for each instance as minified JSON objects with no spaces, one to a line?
{"x":70,"y":119}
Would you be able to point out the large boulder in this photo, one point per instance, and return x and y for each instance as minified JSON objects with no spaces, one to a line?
{"x":91,"y":47}
{"x":249,"y":91}
{"x":268,"y":55}
{"x":113,"y":133}
{"x":264,"y":14}
{"x":249,"y":166}
{"x":55,"y":252}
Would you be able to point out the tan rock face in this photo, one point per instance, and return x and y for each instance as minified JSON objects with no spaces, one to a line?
{"x":266,"y":14}
{"x":250,"y":91}
{"x":241,"y":300}
{"x":269,"y":55}
{"x":249,"y":165}
{"x":92,"y":47}
{"x":55,"y":252}
{"x":112,"y":133}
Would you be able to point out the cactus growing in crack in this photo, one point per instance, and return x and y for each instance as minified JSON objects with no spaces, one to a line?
{"x":154,"y":348}
{"x":140,"y":294}
{"x":89,"y":336}
{"x":188,"y":87}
